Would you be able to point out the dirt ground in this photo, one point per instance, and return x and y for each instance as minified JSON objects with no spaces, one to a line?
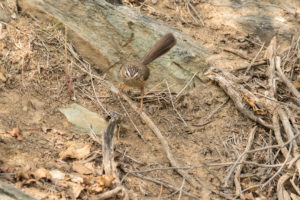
{"x":33,"y":62}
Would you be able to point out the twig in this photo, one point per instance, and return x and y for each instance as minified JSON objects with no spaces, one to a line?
{"x":281,"y":192}
{"x":92,"y":83}
{"x":270,"y":54}
{"x":259,"y":63}
{"x":279,"y":170}
{"x":287,"y":128}
{"x":287,"y":82}
{"x":160,"y":192}
{"x":275,"y":146}
{"x":241,"y":157}
{"x":244,"y":162}
{"x":136,"y":128}
{"x":238,"y":187}
{"x":155,"y":130}
{"x":110,"y":193}
{"x":278,"y":134}
{"x":189,"y":82}
{"x":206,"y":121}
{"x":235,"y":52}
{"x":254,"y":59}
{"x":189,"y":5}
{"x":234,"y":92}
{"x":181,"y":188}
{"x":166,"y":185}
{"x":279,"y":102}
{"x":174,"y":108}
{"x":296,"y":188}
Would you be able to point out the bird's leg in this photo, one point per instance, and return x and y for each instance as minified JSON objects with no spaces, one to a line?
{"x":122,"y":87}
{"x":142,"y":99}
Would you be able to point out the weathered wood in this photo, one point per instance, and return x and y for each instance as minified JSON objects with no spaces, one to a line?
{"x":116,"y":34}
{"x":9,"y":192}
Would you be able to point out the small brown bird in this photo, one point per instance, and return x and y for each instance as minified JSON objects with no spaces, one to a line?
{"x":135,"y":74}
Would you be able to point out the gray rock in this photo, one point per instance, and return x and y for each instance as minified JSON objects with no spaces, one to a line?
{"x":84,"y":119}
{"x":117,"y":34}
{"x":4,"y":16}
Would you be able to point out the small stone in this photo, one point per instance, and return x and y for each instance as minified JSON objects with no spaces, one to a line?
{"x":25,"y":108}
{"x":2,"y":77}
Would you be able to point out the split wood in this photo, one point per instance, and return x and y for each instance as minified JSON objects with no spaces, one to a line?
{"x":109,"y":165}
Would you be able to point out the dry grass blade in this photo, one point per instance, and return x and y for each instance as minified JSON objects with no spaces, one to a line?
{"x":241,"y":157}
{"x":174,"y":108}
{"x":287,"y":82}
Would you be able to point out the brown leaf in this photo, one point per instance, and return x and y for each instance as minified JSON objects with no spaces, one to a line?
{"x":2,"y":77}
{"x":252,"y":103}
{"x":99,"y":184}
{"x":76,"y":189}
{"x":81,"y":169}
{"x":105,"y":180}
{"x":77,"y":151}
{"x":24,"y":173}
{"x":249,"y":196}
{"x":42,"y":173}
{"x":296,"y":84}
{"x":16,"y":133}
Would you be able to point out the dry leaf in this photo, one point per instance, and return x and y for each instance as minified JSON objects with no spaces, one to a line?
{"x":249,"y":196}
{"x":105,"y":180}
{"x":77,"y":151}
{"x":16,"y":133}
{"x":76,"y":189}
{"x":296,"y":84}
{"x":98,"y":184}
{"x":81,"y":169}
{"x":251,"y":102}
{"x":24,"y":173}
{"x":2,"y":77}
{"x":42,"y":173}
{"x":56,"y":174}
{"x":76,"y":179}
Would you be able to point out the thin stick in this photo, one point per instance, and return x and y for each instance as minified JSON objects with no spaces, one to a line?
{"x":279,"y":170}
{"x":94,"y":90}
{"x":259,"y":63}
{"x":235,"y":52}
{"x":110,"y":194}
{"x":136,"y":128}
{"x":249,"y":144}
{"x":179,"y":93}
{"x":275,"y":146}
{"x":166,"y":185}
{"x":174,"y":108}
{"x":287,"y":82}
{"x":227,"y":82}
{"x":277,"y":133}
{"x":244,"y":162}
{"x":181,"y":188}
{"x":206,"y":121}
{"x":294,"y":185}
{"x":254,"y":59}
{"x":238,"y":187}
